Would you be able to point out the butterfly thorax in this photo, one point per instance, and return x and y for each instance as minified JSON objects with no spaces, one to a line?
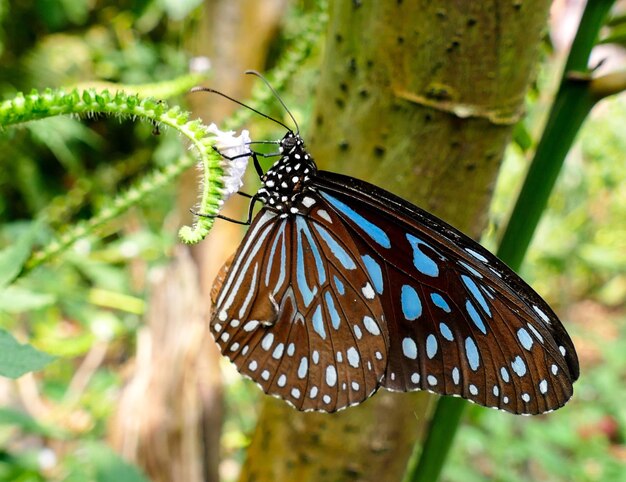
{"x":286,"y":181}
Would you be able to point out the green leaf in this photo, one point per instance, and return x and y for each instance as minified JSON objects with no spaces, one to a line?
{"x":17,"y":359}
{"x":27,"y":423}
{"x":13,"y":257}
{"x":16,"y":300}
{"x":110,"y":467}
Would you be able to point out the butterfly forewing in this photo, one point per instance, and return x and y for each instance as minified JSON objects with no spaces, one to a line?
{"x":459,"y":321}
{"x":295,"y":314}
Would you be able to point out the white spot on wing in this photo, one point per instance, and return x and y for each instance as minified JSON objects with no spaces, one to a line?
{"x":476,"y":255}
{"x":370,"y":325}
{"x":282,"y":380}
{"x":368,"y":291}
{"x":251,"y":325}
{"x":324,"y":215}
{"x":540,"y":312}
{"x":409,"y":348}
{"x":353,"y":357}
{"x":267,"y":341}
{"x":331,"y":376}
{"x":307,"y":201}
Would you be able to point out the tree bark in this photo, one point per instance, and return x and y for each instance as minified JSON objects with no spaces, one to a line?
{"x":419,"y":98}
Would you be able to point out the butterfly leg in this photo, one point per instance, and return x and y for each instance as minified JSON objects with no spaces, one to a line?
{"x":254,"y":155}
{"x":253,"y":200}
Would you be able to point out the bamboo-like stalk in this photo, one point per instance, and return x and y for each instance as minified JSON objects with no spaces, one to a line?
{"x":571,"y":106}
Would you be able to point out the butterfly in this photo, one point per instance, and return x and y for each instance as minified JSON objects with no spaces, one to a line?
{"x":340,"y":288}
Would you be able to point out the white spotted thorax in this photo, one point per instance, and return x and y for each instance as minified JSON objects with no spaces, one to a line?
{"x":284,"y":183}
{"x":232,"y":146}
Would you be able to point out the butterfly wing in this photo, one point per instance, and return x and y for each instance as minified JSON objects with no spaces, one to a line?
{"x":458,"y":320}
{"x":294,"y":313}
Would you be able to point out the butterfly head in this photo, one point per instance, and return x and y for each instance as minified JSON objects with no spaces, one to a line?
{"x":287,"y":179}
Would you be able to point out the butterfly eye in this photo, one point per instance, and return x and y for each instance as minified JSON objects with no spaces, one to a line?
{"x":288,"y":142}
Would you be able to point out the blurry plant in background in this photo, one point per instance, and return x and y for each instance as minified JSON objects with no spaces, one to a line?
{"x":86,"y":307}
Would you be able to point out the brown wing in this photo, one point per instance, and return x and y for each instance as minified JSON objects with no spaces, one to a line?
{"x":459,"y":321}
{"x":296,"y":313}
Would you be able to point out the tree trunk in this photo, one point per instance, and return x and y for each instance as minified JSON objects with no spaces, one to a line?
{"x":420,"y":98}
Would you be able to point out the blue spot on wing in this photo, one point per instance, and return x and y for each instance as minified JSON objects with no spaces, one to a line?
{"x":423,"y":263}
{"x":339,"y":285}
{"x":411,"y":304}
{"x":471,"y":351}
{"x":319,"y":264}
{"x":519,"y":367}
{"x":524,"y":338}
{"x":440,"y":302}
{"x":476,"y":293}
{"x":304,"y":289}
{"x":283,"y":261}
{"x":341,"y":254}
{"x":334,"y":315}
{"x":431,"y":346}
{"x":373,"y":231}
{"x":470,"y":269}
{"x":376,"y":274}
{"x":318,"y":322}
{"x":445,"y":332}
{"x":409,"y":348}
{"x":478,"y":321}
{"x":476,"y":255}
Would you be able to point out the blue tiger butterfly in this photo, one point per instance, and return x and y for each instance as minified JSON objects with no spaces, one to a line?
{"x":340,"y":288}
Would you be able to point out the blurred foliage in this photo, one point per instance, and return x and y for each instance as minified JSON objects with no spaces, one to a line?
{"x":93,"y":299}
{"x":64,"y":169}
{"x":577,"y":261}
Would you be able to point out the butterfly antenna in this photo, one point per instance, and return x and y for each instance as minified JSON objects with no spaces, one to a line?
{"x":213,"y":91}
{"x":260,"y":76}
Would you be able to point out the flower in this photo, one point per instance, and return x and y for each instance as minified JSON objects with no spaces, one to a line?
{"x":230,"y":145}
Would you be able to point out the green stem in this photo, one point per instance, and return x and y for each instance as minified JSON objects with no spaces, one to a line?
{"x":24,"y":108}
{"x":84,"y":101}
{"x":571,"y":107}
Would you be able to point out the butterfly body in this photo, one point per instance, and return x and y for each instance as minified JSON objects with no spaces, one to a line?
{"x":285,"y":181}
{"x":340,"y":288}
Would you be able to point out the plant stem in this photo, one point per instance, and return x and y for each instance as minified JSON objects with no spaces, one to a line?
{"x":571,"y":107}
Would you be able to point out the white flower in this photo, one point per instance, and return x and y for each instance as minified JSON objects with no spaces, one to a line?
{"x":231,"y":146}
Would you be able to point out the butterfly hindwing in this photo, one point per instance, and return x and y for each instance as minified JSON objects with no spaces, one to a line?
{"x":459,"y":321}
